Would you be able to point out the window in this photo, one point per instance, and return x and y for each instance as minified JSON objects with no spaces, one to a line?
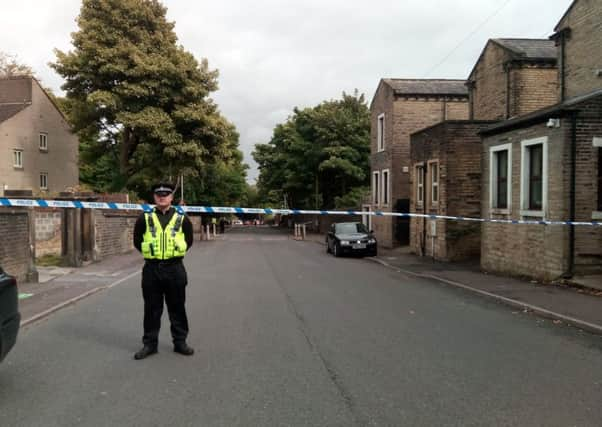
{"x":500,"y":177}
{"x":44,"y":142}
{"x":420,"y":184}
{"x":535,"y":153}
{"x":43,"y":181}
{"x":375,"y":188}
{"x":434,"y":172}
{"x":18,"y":159}
{"x":385,"y":188}
{"x":534,"y":177}
{"x":380,"y":133}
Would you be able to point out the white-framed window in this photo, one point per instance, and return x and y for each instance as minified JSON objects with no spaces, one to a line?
{"x":375,"y":188}
{"x":598,"y":147}
{"x":386,"y":188}
{"x":380,"y":132}
{"x":18,"y":158}
{"x":500,"y":178}
{"x":420,"y":184}
{"x":434,"y":180}
{"x":44,"y":181}
{"x":534,"y":177}
{"x":43,"y":141}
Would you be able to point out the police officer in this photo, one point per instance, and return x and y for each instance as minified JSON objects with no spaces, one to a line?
{"x":163,"y":236}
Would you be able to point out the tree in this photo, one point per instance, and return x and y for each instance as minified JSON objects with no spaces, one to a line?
{"x":137,"y":96}
{"x":10,"y":66}
{"x":319,"y":155}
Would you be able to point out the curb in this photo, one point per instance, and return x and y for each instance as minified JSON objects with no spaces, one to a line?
{"x":590,"y":327}
{"x":73,"y":300}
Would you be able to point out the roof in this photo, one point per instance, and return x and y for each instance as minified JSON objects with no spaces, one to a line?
{"x":15,"y":95}
{"x":540,"y":115}
{"x":523,"y":50}
{"x":568,"y":11}
{"x":530,"y":48}
{"x":427,"y":87}
{"x":15,"y":90}
{"x":9,"y":110}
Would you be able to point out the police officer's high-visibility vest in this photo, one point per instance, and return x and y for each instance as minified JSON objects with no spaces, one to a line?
{"x":158,"y":243}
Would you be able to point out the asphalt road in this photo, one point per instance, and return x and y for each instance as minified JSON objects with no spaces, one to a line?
{"x":289,"y":336}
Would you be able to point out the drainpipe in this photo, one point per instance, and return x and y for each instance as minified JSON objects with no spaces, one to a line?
{"x":508,"y":67}
{"x":562,"y":67}
{"x":571,"y":270}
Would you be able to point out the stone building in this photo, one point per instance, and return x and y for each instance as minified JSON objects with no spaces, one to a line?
{"x":399,"y":108}
{"x":446,"y":177}
{"x":38,"y":151}
{"x":511,"y":76}
{"x":548,"y":165}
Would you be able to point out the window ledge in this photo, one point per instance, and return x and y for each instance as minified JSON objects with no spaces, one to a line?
{"x":20,"y":168}
{"x":597,"y":215}
{"x":532,"y":213}
{"x":499,"y":211}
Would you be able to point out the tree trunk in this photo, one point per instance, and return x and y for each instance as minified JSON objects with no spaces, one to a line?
{"x":124,"y":155}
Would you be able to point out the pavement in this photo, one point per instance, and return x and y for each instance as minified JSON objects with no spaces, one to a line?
{"x":60,"y":287}
{"x":577,"y":306}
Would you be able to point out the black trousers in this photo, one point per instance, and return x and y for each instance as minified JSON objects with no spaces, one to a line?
{"x":164,"y":281}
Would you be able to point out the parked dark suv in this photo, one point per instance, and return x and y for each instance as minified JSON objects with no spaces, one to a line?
{"x":350,"y":238}
{"x":10,"y":319}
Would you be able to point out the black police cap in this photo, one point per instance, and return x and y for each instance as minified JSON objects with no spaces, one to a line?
{"x":163,"y":187}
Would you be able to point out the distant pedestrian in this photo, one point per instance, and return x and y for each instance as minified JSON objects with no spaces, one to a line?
{"x":222,"y":225}
{"x":163,"y":236}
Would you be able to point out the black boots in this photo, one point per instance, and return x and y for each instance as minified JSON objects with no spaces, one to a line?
{"x":145,"y":352}
{"x":183,"y":348}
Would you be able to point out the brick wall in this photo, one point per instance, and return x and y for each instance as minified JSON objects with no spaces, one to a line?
{"x":583,"y":55}
{"x":113,"y":233}
{"x":488,"y":92}
{"x":532,"y":88}
{"x":403,"y":116}
{"x":16,"y":256}
{"x":543,"y":251}
{"x":48,"y":223}
{"x":459,"y":189}
{"x":500,"y":89}
{"x":588,"y":240}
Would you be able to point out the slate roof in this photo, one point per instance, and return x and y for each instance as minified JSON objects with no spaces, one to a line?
{"x":530,"y":48}
{"x":9,"y":110}
{"x":427,"y":87}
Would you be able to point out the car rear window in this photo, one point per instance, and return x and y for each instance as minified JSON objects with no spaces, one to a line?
{"x":351,"y":228}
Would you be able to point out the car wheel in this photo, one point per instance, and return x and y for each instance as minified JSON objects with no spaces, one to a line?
{"x":327,"y":247}
{"x":336,"y":250}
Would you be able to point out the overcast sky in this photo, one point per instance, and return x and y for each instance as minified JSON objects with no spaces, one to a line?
{"x":274,"y":55}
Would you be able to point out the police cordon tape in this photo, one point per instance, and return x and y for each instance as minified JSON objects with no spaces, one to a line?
{"x":268,"y":211}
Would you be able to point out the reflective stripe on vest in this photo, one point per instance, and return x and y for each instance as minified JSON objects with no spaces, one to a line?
{"x":158,"y":243}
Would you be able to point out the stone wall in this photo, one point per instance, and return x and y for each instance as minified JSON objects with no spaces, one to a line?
{"x":48,"y":223}
{"x":113,"y":233}
{"x":403,"y":116}
{"x":583,"y":56}
{"x":532,"y":88}
{"x":543,"y":251}
{"x":16,"y":254}
{"x":459,"y":189}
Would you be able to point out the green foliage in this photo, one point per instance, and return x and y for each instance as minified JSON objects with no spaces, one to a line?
{"x":352,"y":199}
{"x":140,"y":103}
{"x":318,"y":155}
